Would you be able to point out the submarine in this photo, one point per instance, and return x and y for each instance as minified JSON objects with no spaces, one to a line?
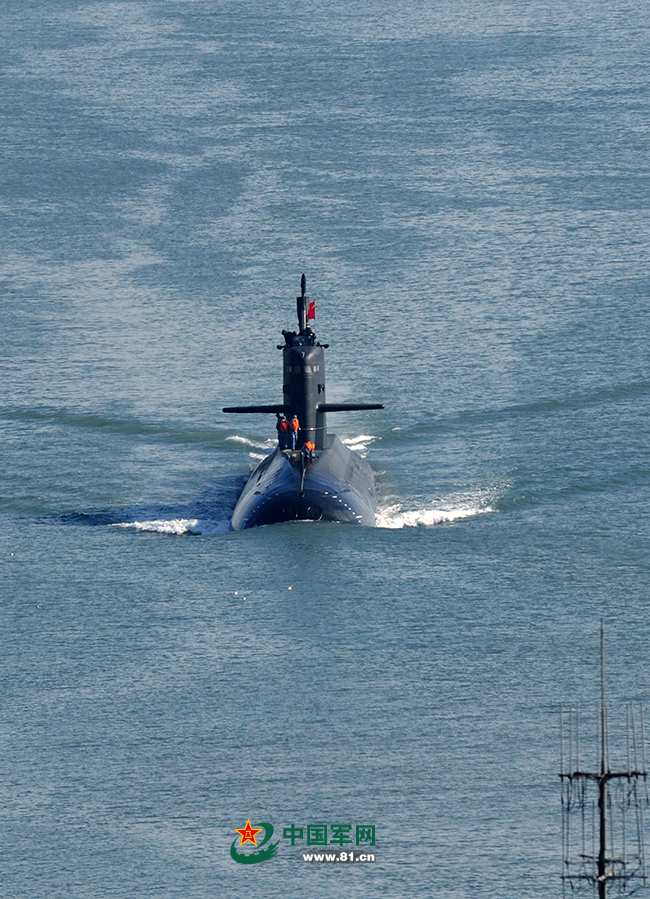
{"x":311,"y":475}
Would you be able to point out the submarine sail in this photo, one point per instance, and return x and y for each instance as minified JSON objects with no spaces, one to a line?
{"x":311,"y":475}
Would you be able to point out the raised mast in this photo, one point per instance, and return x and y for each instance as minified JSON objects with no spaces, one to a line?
{"x":301,"y":303}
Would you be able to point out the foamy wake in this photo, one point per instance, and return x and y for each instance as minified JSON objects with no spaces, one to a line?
{"x":359,"y":444}
{"x":254,"y":444}
{"x":397,"y":517}
{"x":178,"y":526}
{"x":258,"y":449}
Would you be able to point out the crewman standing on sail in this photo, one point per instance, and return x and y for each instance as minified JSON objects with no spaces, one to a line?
{"x":282,"y":427}
{"x":294,"y":426}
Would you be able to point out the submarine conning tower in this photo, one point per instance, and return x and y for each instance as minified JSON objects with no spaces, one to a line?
{"x":303,"y":385}
{"x":304,"y":379}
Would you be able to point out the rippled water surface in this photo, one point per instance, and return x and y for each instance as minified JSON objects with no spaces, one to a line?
{"x":467,"y":188}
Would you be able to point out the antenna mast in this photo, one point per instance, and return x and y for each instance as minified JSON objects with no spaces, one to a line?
{"x":619,"y":803}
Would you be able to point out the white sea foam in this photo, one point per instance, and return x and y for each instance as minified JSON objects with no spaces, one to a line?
{"x":177,"y":526}
{"x":255,"y":444}
{"x":359,"y":444}
{"x":398,"y":517}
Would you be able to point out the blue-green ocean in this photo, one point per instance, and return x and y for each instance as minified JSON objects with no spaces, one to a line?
{"x":467,"y":187}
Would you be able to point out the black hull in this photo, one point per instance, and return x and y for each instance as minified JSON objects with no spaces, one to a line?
{"x":337,"y":486}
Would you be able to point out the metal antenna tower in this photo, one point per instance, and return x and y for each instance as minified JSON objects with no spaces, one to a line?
{"x":602,"y":811}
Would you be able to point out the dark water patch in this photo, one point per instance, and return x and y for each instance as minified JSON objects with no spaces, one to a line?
{"x":541,"y":407}
{"x":207,"y":514}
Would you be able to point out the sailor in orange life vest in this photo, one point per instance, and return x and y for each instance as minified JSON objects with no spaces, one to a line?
{"x":308,"y":449}
{"x":294,"y":425}
{"x":282,"y":427}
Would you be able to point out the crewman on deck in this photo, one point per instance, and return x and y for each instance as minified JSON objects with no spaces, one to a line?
{"x":308,"y":450}
{"x":282,"y":427}
{"x":294,"y":426}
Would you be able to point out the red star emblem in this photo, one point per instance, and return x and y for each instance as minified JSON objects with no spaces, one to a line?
{"x":248,"y":833}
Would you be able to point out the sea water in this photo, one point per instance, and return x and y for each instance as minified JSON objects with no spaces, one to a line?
{"x":466,"y":186}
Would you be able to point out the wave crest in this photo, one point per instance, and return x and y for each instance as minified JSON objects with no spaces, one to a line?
{"x":254,"y":444}
{"x":177,"y":526}
{"x":398,"y":517}
{"x":360,"y":444}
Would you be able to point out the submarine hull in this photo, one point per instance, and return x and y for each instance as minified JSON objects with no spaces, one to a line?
{"x":338,"y":485}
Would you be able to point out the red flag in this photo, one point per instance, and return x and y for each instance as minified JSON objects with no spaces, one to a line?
{"x":311,"y":311}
